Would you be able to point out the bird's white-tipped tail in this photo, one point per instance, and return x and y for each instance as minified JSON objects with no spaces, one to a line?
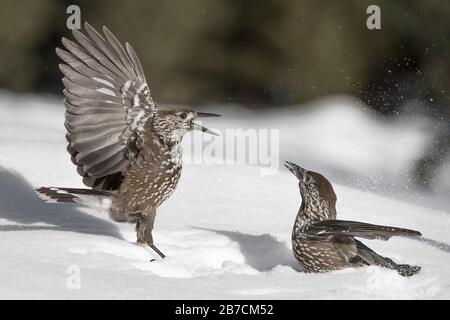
{"x":95,"y":199}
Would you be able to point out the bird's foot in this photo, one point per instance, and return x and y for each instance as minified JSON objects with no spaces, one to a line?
{"x":154,"y":248}
{"x":406,"y":270}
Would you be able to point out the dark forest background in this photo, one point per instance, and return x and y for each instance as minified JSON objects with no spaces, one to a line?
{"x":258,"y":53}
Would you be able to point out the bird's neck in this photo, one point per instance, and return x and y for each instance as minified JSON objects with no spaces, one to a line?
{"x":164,"y":131}
{"x":176,"y":154}
{"x":314,"y":209}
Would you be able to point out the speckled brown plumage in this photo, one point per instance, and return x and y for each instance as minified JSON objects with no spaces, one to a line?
{"x":125,"y":148}
{"x":321,"y":243}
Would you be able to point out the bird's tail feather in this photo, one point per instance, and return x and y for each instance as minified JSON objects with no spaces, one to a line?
{"x":97,"y":199}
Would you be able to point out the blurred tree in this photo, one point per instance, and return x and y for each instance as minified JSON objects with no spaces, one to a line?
{"x":24,"y":27}
{"x":258,"y":53}
{"x":239,"y":57}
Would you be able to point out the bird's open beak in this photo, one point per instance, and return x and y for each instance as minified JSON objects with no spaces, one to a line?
{"x":295,"y":169}
{"x":201,"y":128}
{"x":196,"y":126}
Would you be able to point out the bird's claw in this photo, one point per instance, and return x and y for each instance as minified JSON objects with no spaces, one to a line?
{"x":407,"y":270}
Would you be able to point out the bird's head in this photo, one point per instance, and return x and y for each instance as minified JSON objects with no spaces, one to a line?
{"x":312,"y":184}
{"x":173,"y":124}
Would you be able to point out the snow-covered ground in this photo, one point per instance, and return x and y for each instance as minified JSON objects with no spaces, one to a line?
{"x":226,"y":230}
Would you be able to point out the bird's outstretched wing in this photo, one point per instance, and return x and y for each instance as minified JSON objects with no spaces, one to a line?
{"x":340,"y":228}
{"x":108,"y":102}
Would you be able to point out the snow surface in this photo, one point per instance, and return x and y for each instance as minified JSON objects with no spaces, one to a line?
{"x":226,"y":230}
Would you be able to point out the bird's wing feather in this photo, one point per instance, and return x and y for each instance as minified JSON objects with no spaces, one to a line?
{"x":333,"y":228}
{"x":107,"y":103}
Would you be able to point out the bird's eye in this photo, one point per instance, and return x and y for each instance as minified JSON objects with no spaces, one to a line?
{"x":183,"y":115}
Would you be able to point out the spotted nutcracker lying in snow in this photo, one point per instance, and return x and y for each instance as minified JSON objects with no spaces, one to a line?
{"x":321,"y":243}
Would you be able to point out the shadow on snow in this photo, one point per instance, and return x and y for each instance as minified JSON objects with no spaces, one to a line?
{"x":262,"y":252}
{"x":20,"y":203}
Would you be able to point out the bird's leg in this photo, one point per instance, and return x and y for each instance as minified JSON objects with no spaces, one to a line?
{"x":371,"y":257}
{"x":144,"y":227}
{"x":404,"y":270}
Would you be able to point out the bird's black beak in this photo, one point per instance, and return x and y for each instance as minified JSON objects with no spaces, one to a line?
{"x":201,"y":128}
{"x":298,"y":171}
